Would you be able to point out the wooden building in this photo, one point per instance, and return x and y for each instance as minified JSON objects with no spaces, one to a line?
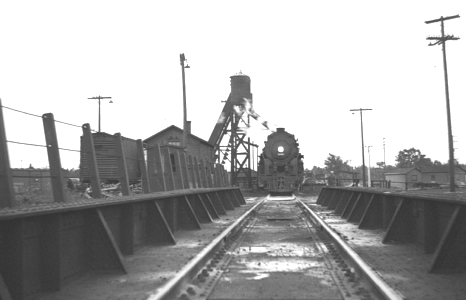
{"x":173,"y":136}
{"x":404,"y":178}
{"x":441,"y":175}
{"x":25,"y":180}
{"x":169,"y":141}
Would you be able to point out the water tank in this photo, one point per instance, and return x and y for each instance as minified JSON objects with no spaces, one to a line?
{"x":240,"y":88}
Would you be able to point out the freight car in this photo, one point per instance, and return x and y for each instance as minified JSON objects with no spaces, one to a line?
{"x":280,"y":164}
{"x":107,"y":163}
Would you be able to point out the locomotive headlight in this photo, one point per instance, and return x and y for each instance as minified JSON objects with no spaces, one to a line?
{"x":280,"y":150}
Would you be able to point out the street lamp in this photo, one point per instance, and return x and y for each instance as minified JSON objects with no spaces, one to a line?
{"x":99,"y":98}
{"x":185,"y":116}
{"x":362,"y":142}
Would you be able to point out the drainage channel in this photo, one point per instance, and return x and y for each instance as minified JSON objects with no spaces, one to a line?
{"x":277,"y":251}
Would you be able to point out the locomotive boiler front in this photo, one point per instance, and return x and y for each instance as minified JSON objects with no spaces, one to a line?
{"x":280,"y":165}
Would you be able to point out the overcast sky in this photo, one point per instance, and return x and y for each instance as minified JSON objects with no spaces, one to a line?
{"x":310,"y":62}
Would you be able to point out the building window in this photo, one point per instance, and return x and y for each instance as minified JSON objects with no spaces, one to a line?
{"x":432,"y":178}
{"x":174,"y":143}
{"x":413,"y":177}
{"x":172,"y":159}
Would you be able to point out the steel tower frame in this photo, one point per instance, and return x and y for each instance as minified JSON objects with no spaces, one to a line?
{"x":231,"y":141}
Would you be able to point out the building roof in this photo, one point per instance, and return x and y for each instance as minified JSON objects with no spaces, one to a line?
{"x":181,"y":131}
{"x":402,"y":171}
{"x":441,"y":169}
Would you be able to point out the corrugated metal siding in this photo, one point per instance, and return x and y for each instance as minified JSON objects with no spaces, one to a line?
{"x":104,"y":146}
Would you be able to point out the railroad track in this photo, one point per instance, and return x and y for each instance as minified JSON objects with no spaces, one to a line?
{"x":279,"y":249}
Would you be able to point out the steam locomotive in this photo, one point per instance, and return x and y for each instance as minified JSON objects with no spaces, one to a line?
{"x":280,"y":164}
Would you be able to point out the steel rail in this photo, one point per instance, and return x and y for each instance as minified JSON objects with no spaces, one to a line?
{"x":382,"y":287}
{"x":170,"y":289}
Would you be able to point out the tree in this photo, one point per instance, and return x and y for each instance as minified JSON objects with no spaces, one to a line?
{"x":412,"y":158}
{"x":437,"y":163}
{"x":336,"y":164}
{"x":381,"y":164}
{"x":308,"y":173}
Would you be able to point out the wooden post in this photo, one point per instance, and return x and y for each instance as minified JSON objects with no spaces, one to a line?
{"x":56,"y":175}
{"x":179,"y":180}
{"x":213,"y":170}
{"x":142,"y":167}
{"x":89,"y":149}
{"x":121,"y":161}
{"x":204,"y":175}
{"x":197,"y":172}
{"x":7,"y":192}
{"x":219,"y":175}
{"x":169,"y":180}
{"x":225,"y":175}
{"x":158,"y":166}
{"x":184,"y":170}
{"x":192,"y":172}
{"x":209,"y":174}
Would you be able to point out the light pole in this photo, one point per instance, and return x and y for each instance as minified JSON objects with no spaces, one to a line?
{"x":369,"y":169}
{"x":362,"y":142}
{"x":185,"y":113}
{"x":99,"y":98}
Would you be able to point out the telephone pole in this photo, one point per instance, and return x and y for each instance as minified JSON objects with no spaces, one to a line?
{"x":99,"y":98}
{"x":384,"y":163}
{"x":369,"y":182}
{"x":441,"y":41}
{"x":362,"y":142}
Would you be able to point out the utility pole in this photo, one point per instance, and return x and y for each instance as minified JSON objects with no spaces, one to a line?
{"x":369,"y":184}
{"x":384,"y":163}
{"x":185,"y":114}
{"x":441,"y":41}
{"x":99,"y":98}
{"x":362,"y":142}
